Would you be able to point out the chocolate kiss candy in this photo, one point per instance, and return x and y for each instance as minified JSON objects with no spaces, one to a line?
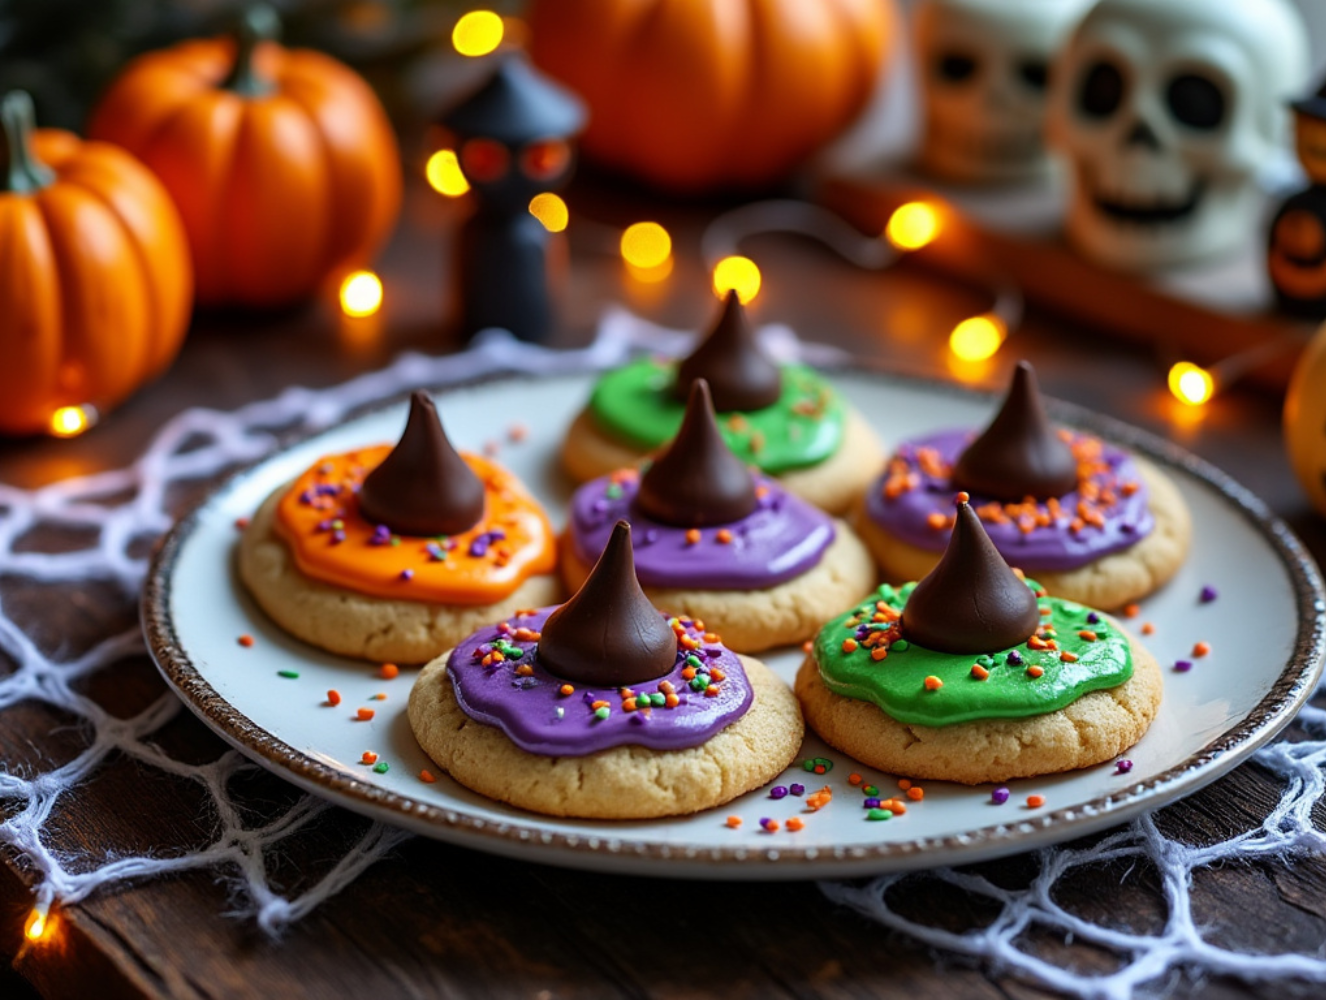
{"x":1019,"y":454}
{"x":971,"y":602}
{"x":423,"y":487}
{"x":740,"y":375}
{"x":697,"y":481}
{"x":608,"y":634}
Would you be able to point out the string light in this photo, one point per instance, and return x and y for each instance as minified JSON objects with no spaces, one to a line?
{"x":737,"y":274}
{"x":361,"y":294}
{"x":912,"y":226}
{"x":444,"y":174}
{"x":35,"y":928}
{"x":646,"y":245}
{"x":1190,"y":383}
{"x":977,"y":337}
{"x":549,"y":209}
{"x":477,"y":33}
{"x":71,"y":421}
{"x":651,"y":275}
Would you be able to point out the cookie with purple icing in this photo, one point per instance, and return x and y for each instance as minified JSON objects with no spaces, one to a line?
{"x":713,"y":541}
{"x":788,"y":421}
{"x":976,"y":674}
{"x":1091,"y":522}
{"x":604,"y":707}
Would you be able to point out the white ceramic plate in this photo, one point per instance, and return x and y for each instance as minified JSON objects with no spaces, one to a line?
{"x":1265,"y":632}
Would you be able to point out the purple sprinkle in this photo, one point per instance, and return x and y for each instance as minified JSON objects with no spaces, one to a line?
{"x":479,"y":547}
{"x":639,"y":719}
{"x":1183,"y":666}
{"x":1122,"y":766}
{"x":1128,"y":527}
{"x":1093,"y":618}
{"x":1014,"y":658}
{"x":589,"y":697}
{"x":407,"y":574}
{"x":797,"y":789}
{"x":1208,"y":594}
{"x":871,"y":803}
{"x":325,"y":525}
{"x":306,"y":497}
{"x":765,"y":821}
{"x":650,"y":536}
{"x":999,"y":796}
{"x":777,"y":792}
{"x":338,"y":537}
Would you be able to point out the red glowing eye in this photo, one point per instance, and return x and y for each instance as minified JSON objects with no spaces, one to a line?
{"x":484,"y":160}
{"x":542,"y":160}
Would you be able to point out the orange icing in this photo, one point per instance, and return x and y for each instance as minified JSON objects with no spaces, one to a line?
{"x":304,"y":514}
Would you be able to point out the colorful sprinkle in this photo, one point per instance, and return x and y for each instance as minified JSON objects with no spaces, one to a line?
{"x":1200,"y":649}
{"x":733,"y":822}
{"x":602,"y":712}
{"x":878,"y":814}
{"x":1035,"y":671}
{"x":771,"y":825}
{"x":1035,"y":801}
{"x":1148,"y":628}
{"x":389,"y":671}
{"x":369,"y":757}
{"x":1208,"y":594}
{"x":869,"y":790}
{"x":979,"y":672}
{"x":333,"y":697}
{"x":797,"y":789}
{"x":999,"y":796}
{"x":381,"y":767}
{"x":245,"y":640}
{"x":426,"y":776}
{"x":933,"y":683}
{"x":777,"y":792}
{"x":1183,"y":666}
{"x":916,"y":793}
{"x":854,"y":778}
{"x":364,"y":714}
{"x":1123,"y":766}
{"x":288,"y":674}
{"x":795,"y":823}
{"x":1131,"y":611}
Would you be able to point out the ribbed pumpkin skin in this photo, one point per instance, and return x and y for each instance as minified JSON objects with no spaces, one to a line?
{"x":277,"y":191}
{"x":697,"y":95}
{"x":95,"y":283}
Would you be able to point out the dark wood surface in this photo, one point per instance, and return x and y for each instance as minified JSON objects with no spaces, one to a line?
{"x":439,"y":920}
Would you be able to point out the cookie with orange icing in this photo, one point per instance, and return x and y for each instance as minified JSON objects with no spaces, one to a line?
{"x":394,"y":553}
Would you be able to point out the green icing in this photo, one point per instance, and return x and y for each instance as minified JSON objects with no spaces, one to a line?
{"x":897,"y":683}
{"x":635,"y":404}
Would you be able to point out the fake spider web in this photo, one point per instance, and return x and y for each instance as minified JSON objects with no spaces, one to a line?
{"x":118,"y":509}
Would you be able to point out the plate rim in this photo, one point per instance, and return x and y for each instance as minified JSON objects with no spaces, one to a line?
{"x":1290,"y":690}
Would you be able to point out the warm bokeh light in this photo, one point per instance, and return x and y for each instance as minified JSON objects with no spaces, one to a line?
{"x":1190,"y":383}
{"x":71,"y":421}
{"x":478,"y":33}
{"x":646,"y":244}
{"x":977,"y":337}
{"x":549,"y":209}
{"x":912,"y":226}
{"x":35,"y":928}
{"x":444,"y":174}
{"x":651,"y":275}
{"x":737,"y":274}
{"x":361,"y":294}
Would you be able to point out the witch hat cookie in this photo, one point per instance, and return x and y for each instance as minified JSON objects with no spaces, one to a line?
{"x":971,"y":602}
{"x":423,"y":487}
{"x":697,"y":482}
{"x":1019,"y":454}
{"x":740,"y":375}
{"x":608,"y":634}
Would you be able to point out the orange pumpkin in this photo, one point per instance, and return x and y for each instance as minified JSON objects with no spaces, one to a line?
{"x":95,"y":283}
{"x":692,"y":95}
{"x":282,"y":161}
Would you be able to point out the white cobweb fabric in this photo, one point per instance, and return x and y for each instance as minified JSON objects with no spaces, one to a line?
{"x":119,"y":509}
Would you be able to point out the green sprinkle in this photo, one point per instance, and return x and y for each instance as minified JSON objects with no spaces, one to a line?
{"x":878,"y":814}
{"x":984,"y":661}
{"x":694,"y":661}
{"x":381,"y":767}
{"x":658,"y":699}
{"x":292,"y":674}
{"x":613,"y":492}
{"x":825,"y":763}
{"x":999,"y":659}
{"x":808,"y":765}
{"x":1071,"y":609}
{"x":870,"y":791}
{"x":901,"y":646}
{"x":602,"y":713}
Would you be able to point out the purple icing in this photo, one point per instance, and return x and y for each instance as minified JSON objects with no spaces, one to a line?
{"x":525,"y":707}
{"x":1043,"y":548}
{"x":783,"y":538}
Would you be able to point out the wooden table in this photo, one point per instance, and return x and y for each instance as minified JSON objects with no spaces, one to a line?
{"x":435,"y":919}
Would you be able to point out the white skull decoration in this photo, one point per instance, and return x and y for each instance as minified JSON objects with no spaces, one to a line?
{"x":1167,"y":109}
{"x":984,"y":66}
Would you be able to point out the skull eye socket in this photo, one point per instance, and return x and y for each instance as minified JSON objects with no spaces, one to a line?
{"x":1034,"y":73}
{"x":1102,"y":90}
{"x":955,"y":67}
{"x":1196,"y":101}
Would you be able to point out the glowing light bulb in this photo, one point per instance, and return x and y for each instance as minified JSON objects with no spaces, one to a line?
{"x":1191,"y":384}
{"x":549,"y":209}
{"x":35,"y":928}
{"x":977,"y":337}
{"x":361,"y":294}
{"x":444,"y":174}
{"x":737,"y":274}
{"x":71,"y":421}
{"x":912,"y":226}
{"x":477,"y":33}
{"x":646,"y":244}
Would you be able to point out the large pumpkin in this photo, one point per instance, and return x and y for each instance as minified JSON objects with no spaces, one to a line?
{"x":282,"y":161}
{"x":95,"y":283}
{"x":692,"y":95}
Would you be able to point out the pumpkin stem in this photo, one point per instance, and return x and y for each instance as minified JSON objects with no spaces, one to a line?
{"x":20,"y":170}
{"x":257,"y":23}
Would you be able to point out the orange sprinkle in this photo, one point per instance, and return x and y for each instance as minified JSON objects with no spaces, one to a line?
{"x":711,"y":691}
{"x":628,"y":705}
{"x":796,"y":823}
{"x":666,"y":687}
{"x":1035,"y":801}
{"x":937,"y":521}
{"x":854,"y":778}
{"x":734,"y":821}
{"x":693,"y":536}
{"x":979,"y":672}
{"x":1035,"y":671}
{"x":717,"y":675}
{"x":894,"y":806}
{"x":688,"y":674}
{"x":525,"y":670}
{"x":426,"y":776}
{"x":962,"y":497}
{"x":241,"y":523}
{"x":1035,"y":642}
{"x":1045,"y":611}
{"x":1200,"y":649}
{"x":1087,"y":634}
{"x":849,"y":645}
{"x":933,"y":683}
{"x":878,"y":653}
{"x":807,"y":646}
{"x":389,"y":671}
{"x":1148,"y":628}
{"x":672,"y":701}
{"x":904,"y":784}
{"x":723,"y":536}
{"x":333,"y":697}
{"x":596,"y":705}
{"x":712,"y":637}
{"x":771,"y":826}
{"x":566,"y":689}
{"x":687,"y":642}
{"x":626,"y":693}
{"x":1131,"y":610}
{"x":524,"y":634}
{"x":365,"y":714}
{"x":916,"y":793}
{"x":369,"y":757}
{"x":246,"y":640}
{"x":1068,"y":657}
